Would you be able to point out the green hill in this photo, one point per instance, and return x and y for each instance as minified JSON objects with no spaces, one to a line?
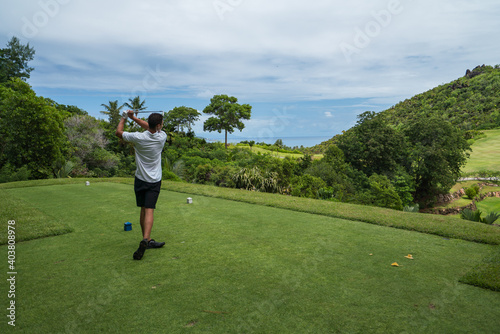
{"x":471,"y":102}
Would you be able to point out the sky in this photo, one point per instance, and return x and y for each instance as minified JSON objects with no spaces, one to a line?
{"x":307,"y":68}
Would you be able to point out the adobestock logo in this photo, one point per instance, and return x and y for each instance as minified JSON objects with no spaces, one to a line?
{"x":49,"y":9}
{"x":222,"y":7}
{"x":372,"y":29}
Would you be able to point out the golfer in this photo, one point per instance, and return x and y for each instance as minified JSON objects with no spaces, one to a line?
{"x":148,"y":146}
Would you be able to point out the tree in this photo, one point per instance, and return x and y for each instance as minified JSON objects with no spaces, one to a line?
{"x":88,"y":143}
{"x":14,"y":60}
{"x":32,"y":131}
{"x":181,"y":117}
{"x":113,"y":111}
{"x":136,"y":104}
{"x":373,"y":146}
{"x":278,"y":143}
{"x":227,"y":115}
{"x":383,"y":193}
{"x":438,"y":151}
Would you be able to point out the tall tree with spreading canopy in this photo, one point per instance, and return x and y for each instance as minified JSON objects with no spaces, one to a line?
{"x":438,"y":151}
{"x":14,"y":60}
{"x":228,"y":115}
{"x":373,"y":146}
{"x":181,"y":117}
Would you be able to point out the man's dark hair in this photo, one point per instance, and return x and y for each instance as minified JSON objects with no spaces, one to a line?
{"x":154,"y":120}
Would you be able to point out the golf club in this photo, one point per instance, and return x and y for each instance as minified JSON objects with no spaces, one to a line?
{"x":124,"y":113}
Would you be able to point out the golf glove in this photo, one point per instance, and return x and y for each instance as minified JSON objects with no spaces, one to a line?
{"x":125,"y":114}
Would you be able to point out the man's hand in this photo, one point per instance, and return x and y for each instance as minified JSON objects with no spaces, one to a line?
{"x":128,"y":114}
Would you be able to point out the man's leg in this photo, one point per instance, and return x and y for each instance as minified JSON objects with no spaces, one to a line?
{"x":147,"y":219}
{"x":143,"y":245}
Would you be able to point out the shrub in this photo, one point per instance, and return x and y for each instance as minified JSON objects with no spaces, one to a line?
{"x":491,"y":218}
{"x":409,"y":208}
{"x":306,"y":186}
{"x":221,"y":176}
{"x":471,"y":215}
{"x":326,"y":193}
{"x":384,"y":193}
{"x":169,"y":175}
{"x":202,"y":173}
{"x":9,"y":174}
{"x":255,"y":179}
{"x":471,"y":193}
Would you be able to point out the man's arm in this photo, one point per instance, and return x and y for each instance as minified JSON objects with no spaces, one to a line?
{"x":120,"y":127}
{"x":143,"y":124}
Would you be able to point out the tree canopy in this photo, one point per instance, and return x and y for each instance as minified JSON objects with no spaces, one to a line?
{"x":32,"y":130}
{"x":182,"y":117}
{"x":228,"y":115}
{"x":14,"y":60}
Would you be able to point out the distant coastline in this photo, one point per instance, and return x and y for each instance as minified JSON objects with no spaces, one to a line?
{"x":306,"y":141}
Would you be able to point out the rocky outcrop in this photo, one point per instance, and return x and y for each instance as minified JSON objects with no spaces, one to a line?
{"x":446,"y":198}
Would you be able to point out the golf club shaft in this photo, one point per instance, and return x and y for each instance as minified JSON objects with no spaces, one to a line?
{"x":146,"y":112}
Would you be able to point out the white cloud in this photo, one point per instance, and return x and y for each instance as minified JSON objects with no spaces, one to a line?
{"x":260,"y":51}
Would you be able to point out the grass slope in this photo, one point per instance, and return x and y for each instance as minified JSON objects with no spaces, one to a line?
{"x":486,"y":274}
{"x":485,"y":153}
{"x":30,"y":222}
{"x":234,"y":267}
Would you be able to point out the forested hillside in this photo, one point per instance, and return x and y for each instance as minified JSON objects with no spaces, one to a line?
{"x":471,"y":102}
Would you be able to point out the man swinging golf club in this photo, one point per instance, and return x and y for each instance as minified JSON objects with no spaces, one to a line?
{"x":148,"y":146}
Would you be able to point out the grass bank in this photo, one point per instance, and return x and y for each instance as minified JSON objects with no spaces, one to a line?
{"x":433,"y":224}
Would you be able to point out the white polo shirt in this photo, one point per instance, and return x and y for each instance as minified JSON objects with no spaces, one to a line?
{"x":148,"y":147}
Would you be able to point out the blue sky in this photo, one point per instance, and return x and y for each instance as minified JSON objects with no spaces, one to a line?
{"x":308,"y":68}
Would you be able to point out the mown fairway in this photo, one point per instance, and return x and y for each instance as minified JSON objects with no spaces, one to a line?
{"x":485,"y":153}
{"x":233,"y":267}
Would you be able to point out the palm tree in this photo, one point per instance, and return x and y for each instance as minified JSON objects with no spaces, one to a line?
{"x":114,"y":113}
{"x":136,"y":104}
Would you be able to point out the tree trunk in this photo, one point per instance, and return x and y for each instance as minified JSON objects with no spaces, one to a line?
{"x":226,"y":138}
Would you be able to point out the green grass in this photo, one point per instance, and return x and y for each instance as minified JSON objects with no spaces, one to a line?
{"x":236,"y":267}
{"x":489,"y":205}
{"x":434,"y":224}
{"x":280,"y":155}
{"x":30,"y":222}
{"x":486,"y":274}
{"x":485,"y":153}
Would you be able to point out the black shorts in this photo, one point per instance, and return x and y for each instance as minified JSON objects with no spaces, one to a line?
{"x":146,"y":194}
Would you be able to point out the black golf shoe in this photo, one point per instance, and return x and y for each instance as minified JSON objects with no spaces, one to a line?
{"x":154,"y":244}
{"x":143,"y":245}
